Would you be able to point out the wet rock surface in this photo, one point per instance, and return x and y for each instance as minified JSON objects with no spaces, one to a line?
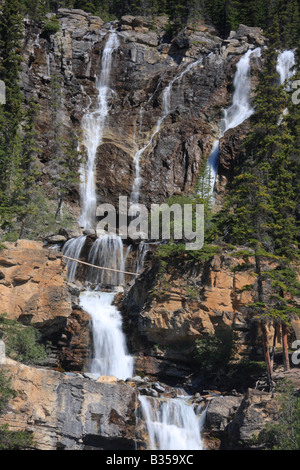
{"x":146,"y":61}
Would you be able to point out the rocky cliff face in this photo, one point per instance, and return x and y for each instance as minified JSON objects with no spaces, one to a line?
{"x":192,"y":300}
{"x":70,"y":412}
{"x":69,"y":409}
{"x":59,"y":71}
{"x":34,"y":290}
{"x":164,"y":315}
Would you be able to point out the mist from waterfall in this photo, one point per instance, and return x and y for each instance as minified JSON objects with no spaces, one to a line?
{"x":93,"y":125}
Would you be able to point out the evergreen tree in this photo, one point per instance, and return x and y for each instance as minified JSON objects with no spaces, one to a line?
{"x":260,"y":210}
{"x":11,"y":33}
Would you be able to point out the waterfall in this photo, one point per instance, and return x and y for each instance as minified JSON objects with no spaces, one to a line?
{"x":107,"y":251}
{"x":73,"y":248}
{"x":110,"y":352}
{"x":172,"y":424}
{"x":109,"y":344}
{"x":48,"y":65}
{"x":285,"y":65}
{"x":285,"y":68}
{"x":110,"y":356}
{"x":166,"y":109}
{"x":238,"y":112}
{"x":93,"y":129}
{"x":142,"y":251}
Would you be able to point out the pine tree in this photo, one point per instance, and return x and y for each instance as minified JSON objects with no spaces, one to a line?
{"x":11,"y":113}
{"x":260,"y":210}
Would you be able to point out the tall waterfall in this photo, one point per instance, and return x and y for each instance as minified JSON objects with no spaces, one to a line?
{"x":172,"y":424}
{"x":110,"y":351}
{"x":93,"y":129}
{"x":166,"y":109}
{"x":238,"y":112}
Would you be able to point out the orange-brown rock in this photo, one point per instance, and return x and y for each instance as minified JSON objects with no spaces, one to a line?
{"x":33,"y":283}
{"x":68,"y":411}
{"x":34,"y":289}
{"x":191,"y":300}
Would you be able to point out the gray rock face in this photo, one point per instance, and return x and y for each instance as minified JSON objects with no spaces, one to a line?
{"x":219,"y":413}
{"x":59,"y":72}
{"x":71,"y":412}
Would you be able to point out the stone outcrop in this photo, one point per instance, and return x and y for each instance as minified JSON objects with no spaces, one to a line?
{"x":70,"y":412}
{"x":34,"y":290}
{"x":33,"y":285}
{"x":168,"y":313}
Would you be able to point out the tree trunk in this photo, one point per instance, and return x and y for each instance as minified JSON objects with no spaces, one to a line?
{"x":286,"y":360}
{"x":274,"y":344}
{"x":21,"y":231}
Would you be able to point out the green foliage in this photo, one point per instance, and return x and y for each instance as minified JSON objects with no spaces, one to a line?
{"x":169,"y":250}
{"x":284,"y":434}
{"x":15,"y":440}
{"x":226,"y":15}
{"x":215,"y":352}
{"x":6,"y":392}
{"x":11,"y":440}
{"x":261,"y":208}
{"x":22,"y":342}
{"x":51,"y":26}
{"x":18,"y":167}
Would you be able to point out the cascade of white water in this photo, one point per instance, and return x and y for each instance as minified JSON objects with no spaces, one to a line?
{"x":238,"y":112}
{"x":93,"y":129}
{"x":107,"y":251}
{"x":110,"y":352}
{"x":172,"y":424}
{"x":285,"y":65}
{"x":49,"y":59}
{"x":166,"y":109}
{"x":142,"y":251}
{"x":73,"y":248}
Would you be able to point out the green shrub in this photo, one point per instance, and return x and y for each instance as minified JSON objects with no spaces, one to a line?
{"x":284,"y":434}
{"x":51,"y":26}
{"x":15,"y":440}
{"x":6,"y":392}
{"x":11,"y":440}
{"x":22,"y":342}
{"x":12,"y":236}
{"x":215,"y":351}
